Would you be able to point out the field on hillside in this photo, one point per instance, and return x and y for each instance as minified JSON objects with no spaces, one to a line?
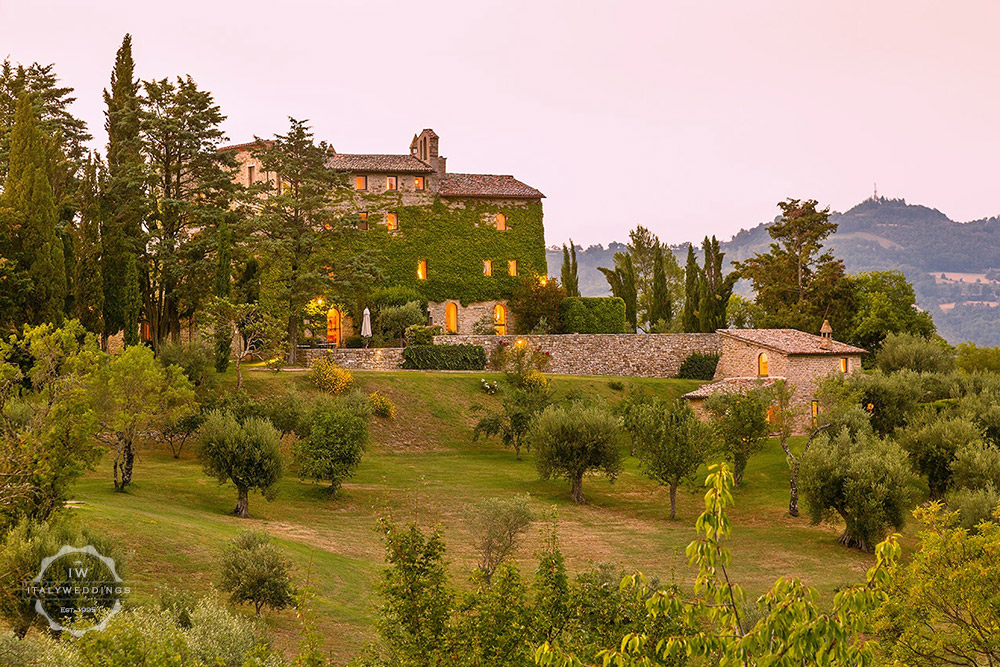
{"x":424,"y":466}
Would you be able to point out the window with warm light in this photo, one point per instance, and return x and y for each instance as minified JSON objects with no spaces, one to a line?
{"x":814,"y":409}
{"x":843,"y":364}
{"x":762,"y":364}
{"x":451,"y":317}
{"x":500,"y":319}
{"x":418,"y":182}
{"x":501,"y":222}
{"x":360,"y":182}
{"x":487,"y":267}
{"x":422,"y":270}
{"x":392,"y":221}
{"x":512,"y":267}
{"x":363,"y":224}
{"x":390,"y":182}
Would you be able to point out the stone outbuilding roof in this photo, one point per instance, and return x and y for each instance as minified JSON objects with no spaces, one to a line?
{"x":792,"y":341}
{"x":249,"y":145}
{"x":730,"y":385}
{"x":486,"y":185}
{"x":374,"y":163}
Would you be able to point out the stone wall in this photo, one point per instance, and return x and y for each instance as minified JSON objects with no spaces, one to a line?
{"x":637,"y":355}
{"x":467,"y":315}
{"x":371,"y":359}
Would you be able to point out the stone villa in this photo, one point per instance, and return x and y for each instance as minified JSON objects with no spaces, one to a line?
{"x":462,"y":241}
{"x":758,"y":357}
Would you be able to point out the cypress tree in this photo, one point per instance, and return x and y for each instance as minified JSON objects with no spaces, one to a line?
{"x":223,"y":289}
{"x":28,"y":208}
{"x":660,"y":306}
{"x":570,"y":280}
{"x":692,"y":292}
{"x":121,"y":232}
{"x":715,"y":288}
{"x":88,"y":283}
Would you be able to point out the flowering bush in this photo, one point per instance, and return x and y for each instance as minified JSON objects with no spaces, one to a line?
{"x":489,"y":387}
{"x":381,"y":405}
{"x":534,"y":380}
{"x":330,"y":377}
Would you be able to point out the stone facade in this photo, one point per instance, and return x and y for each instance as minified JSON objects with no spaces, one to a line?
{"x":371,"y":359}
{"x":466,"y":316}
{"x":635,"y":355}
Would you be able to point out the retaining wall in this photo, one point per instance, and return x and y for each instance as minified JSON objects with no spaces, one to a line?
{"x":371,"y":359}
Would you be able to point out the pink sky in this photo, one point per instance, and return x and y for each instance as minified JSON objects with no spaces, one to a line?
{"x":687,"y":117}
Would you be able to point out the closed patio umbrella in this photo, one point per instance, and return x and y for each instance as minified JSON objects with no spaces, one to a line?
{"x":366,"y":325}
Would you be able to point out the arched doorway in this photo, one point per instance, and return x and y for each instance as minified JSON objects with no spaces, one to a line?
{"x":762,"y":364}
{"x":500,"y":319}
{"x":451,"y":317}
{"x":333,"y":327}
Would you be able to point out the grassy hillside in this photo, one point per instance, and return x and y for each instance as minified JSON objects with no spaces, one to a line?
{"x":425,"y":466}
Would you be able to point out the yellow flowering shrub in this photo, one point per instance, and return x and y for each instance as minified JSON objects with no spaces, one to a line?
{"x":381,"y":405}
{"x":330,"y":377}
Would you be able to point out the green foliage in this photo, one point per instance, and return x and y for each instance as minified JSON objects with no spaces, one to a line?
{"x":568,"y":274}
{"x":494,"y":626}
{"x":933,"y":445}
{"x":333,"y":445}
{"x":195,"y":359}
{"x":622,"y":280}
{"x":976,"y":465}
{"x":740,"y":422}
{"x":592,"y":314}
{"x":692,"y":292}
{"x":393,"y":321}
{"x":698,"y":366}
{"x":890,"y":400}
{"x":419,"y":334}
{"x":972,"y":358}
{"x":255,"y":571}
{"x":88,"y":281}
{"x":973,"y":505}
{"x":908,"y":351}
{"x":519,"y":361}
{"x":445,"y":357}
{"x":522,"y":403}
{"x":714,"y":289}
{"x":660,"y":304}
{"x":330,"y":377}
{"x":862,"y":478}
{"x":416,"y":603}
{"x":496,"y":526}
{"x":246,"y":454}
{"x":670,"y":442}
{"x":886,"y":305}
{"x":572,"y":441}
{"x":534,"y":300}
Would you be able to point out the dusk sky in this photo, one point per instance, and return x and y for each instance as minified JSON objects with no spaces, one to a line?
{"x":691,"y":118}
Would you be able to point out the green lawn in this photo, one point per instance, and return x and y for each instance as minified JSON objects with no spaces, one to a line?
{"x":425,"y":466}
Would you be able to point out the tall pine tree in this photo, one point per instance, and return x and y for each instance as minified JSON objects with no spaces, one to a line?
{"x":692,"y":292}
{"x":122,"y":235}
{"x":715,"y":289}
{"x":29,"y":218}
{"x":568,"y":275}
{"x":88,"y":283}
{"x":660,"y":302}
{"x":223,"y":289}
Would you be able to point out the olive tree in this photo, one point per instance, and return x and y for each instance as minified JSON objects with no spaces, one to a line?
{"x":496,"y":526}
{"x":246,"y":454}
{"x":860,"y":477}
{"x":333,"y":440}
{"x":671,"y":443}
{"x":740,"y":421}
{"x":255,"y":571}
{"x":572,"y":441}
{"x":933,"y":445}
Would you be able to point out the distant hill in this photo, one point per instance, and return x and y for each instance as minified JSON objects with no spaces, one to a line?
{"x":954,"y":266}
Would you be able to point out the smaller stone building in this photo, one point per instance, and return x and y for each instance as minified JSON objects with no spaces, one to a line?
{"x":752,"y":358}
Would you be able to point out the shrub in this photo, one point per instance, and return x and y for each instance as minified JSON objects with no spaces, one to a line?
{"x":512,"y":423}
{"x":330,"y":377}
{"x":247,"y":454}
{"x":698,"y":366}
{"x":255,"y":571}
{"x":396,"y":295}
{"x":331,"y":450}
{"x":195,"y":359}
{"x":973,"y":505}
{"x":381,"y":405}
{"x":592,"y":314}
{"x":903,"y":350}
{"x":518,"y":360}
{"x":354,"y":342}
{"x":740,"y":421}
{"x":445,"y":357}
{"x":976,"y":466}
{"x":284,"y":411}
{"x":484,"y":326}
{"x":419,"y":334}
{"x":393,"y":320}
{"x":932,"y":448}
{"x":533,"y":301}
{"x":572,"y":441}
{"x":864,"y":479}
{"x":616,"y":385}
{"x":973,"y":358}
{"x":496,"y":526}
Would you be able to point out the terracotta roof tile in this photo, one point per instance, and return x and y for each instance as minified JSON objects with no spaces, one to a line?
{"x":378,"y":163}
{"x":248,"y":145}
{"x":730,"y":385}
{"x":791,"y":341}
{"x":486,"y":185}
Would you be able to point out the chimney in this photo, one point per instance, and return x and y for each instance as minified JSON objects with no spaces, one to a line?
{"x":826,"y":333}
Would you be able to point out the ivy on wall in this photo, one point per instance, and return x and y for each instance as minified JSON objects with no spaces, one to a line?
{"x":454,"y":239}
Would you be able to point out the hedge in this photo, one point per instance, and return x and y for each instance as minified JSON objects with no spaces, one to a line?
{"x":592,"y":314}
{"x":444,"y":357}
{"x":698,"y":366}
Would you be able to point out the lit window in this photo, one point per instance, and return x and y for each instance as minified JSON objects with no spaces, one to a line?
{"x":390,"y":182}
{"x":843,"y":364}
{"x":451,"y":317}
{"x":422,"y":270}
{"x":501,"y":222}
{"x":364,"y":215}
{"x":363,"y":224}
{"x":487,"y":267}
{"x":418,"y":182}
{"x":762,"y":364}
{"x":249,"y":174}
{"x":392,"y":221}
{"x":815,"y":413}
{"x":360,"y":182}
{"x":500,"y":319}
{"x":512,"y":267}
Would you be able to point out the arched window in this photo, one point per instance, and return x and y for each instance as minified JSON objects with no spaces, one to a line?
{"x":451,"y":317}
{"x":501,"y":222}
{"x":333,"y":327}
{"x":500,"y":319}
{"x":762,"y":364}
